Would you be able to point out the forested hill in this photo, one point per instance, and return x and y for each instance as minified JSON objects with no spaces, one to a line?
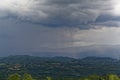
{"x":58,"y":66}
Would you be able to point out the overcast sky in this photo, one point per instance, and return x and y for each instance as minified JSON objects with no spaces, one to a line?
{"x":74,"y":28}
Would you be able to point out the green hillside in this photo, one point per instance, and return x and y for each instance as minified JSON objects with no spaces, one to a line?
{"x":57,"y":67}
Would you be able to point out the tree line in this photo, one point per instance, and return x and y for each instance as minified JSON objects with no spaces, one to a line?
{"x":91,"y":77}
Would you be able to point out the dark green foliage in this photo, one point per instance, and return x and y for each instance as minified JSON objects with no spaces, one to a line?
{"x":27,"y":77}
{"x":20,"y":77}
{"x":111,"y":77}
{"x":14,"y":77}
{"x":49,"y":78}
{"x":91,"y":77}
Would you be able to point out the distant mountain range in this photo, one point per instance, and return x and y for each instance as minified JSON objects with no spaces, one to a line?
{"x":58,"y":66}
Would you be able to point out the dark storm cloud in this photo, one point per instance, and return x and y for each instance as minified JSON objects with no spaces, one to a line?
{"x":108,"y":20}
{"x":17,"y":37}
{"x":57,"y":13}
{"x":59,"y":27}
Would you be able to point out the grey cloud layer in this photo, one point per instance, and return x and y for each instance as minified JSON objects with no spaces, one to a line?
{"x":66,"y":27}
{"x":26,"y":38}
{"x":54,"y":13}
